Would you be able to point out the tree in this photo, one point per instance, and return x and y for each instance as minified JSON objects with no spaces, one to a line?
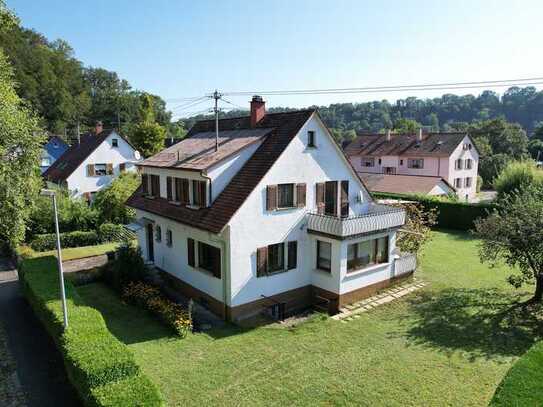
{"x":417,"y":229}
{"x":110,"y":201}
{"x":491,"y":166}
{"x":503,"y":137}
{"x":535,"y":147}
{"x":147,"y":136}
{"x":406,"y":126}
{"x":20,"y":149}
{"x":538,"y":132}
{"x":513,"y":233}
{"x":518,"y":176}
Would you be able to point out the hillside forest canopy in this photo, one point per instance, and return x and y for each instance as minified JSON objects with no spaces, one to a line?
{"x":64,"y":92}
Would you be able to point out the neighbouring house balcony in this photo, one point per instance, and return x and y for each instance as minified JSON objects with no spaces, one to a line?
{"x":377,"y":218}
{"x":404,"y":264}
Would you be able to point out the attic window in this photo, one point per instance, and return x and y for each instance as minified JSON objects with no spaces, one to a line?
{"x":114,"y":142}
{"x":311,"y":139}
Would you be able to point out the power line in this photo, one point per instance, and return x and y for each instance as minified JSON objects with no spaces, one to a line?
{"x":396,"y":88}
{"x":191,"y":104}
{"x":233,"y":104}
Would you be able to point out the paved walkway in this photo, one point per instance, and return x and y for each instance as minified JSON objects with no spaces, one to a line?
{"x":353,"y":311}
{"x":86,"y":263}
{"x":40,"y":371}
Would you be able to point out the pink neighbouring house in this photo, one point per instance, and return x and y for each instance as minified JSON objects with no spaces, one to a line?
{"x":451,"y":156}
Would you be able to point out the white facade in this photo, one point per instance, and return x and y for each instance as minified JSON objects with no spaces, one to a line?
{"x":253,"y":227}
{"x":81,"y":183}
{"x":441,"y":166}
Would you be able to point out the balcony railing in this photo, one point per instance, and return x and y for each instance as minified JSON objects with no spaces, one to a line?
{"x":405,"y":264}
{"x":377,"y":218}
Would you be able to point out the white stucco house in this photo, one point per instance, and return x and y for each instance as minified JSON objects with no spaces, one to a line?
{"x":92,"y":163}
{"x":452,"y":157}
{"x":273,"y":219}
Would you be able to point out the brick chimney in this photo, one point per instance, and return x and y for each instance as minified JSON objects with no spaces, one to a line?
{"x":258,"y":110}
{"x":419,"y":135}
{"x":388,"y":136}
{"x":98,"y":127}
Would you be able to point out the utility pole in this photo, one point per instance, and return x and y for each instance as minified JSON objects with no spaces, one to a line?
{"x":216,"y":96}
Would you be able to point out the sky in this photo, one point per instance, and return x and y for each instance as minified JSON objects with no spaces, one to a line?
{"x":180,"y":49}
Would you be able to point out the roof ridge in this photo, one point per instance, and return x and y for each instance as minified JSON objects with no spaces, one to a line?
{"x":248,"y":116}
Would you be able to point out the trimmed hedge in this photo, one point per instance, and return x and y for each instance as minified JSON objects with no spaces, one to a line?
{"x":78,"y":238}
{"x":451,"y":215}
{"x":522,"y":385}
{"x":100,"y":367}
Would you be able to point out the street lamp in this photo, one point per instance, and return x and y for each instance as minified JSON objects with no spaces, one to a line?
{"x":51,"y":193}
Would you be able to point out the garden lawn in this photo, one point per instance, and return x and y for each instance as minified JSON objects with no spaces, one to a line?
{"x":448,"y":344}
{"x":72,"y":252}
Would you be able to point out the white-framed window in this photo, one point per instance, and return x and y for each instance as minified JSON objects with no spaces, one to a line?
{"x":416,"y":163}
{"x":45,"y":161}
{"x":169,"y":238}
{"x":468,"y":163}
{"x":324,"y":256}
{"x":114,"y":142}
{"x":100,"y":169}
{"x":368,"y":162}
{"x":467,"y":182}
{"x":458,"y":182}
{"x":158,"y":233}
{"x":458,"y":164}
{"x":367,"y":253}
{"x":285,"y":196}
{"x":311,"y":142}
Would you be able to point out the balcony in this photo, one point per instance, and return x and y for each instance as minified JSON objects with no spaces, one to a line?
{"x":377,"y":218}
{"x":406,"y":263}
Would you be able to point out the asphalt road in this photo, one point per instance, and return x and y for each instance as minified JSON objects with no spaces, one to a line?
{"x":39,"y":364}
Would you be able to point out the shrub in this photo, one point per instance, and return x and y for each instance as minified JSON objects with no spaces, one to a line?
{"x":71,"y":239}
{"x":150,"y":297}
{"x":98,"y":365}
{"x":517,"y":176}
{"x":73,"y":214}
{"x":127,"y":266}
{"x":450,"y":215}
{"x":479,"y":184}
{"x":110,"y":201}
{"x":109,"y":232}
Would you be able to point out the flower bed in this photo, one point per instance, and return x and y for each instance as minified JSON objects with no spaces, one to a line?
{"x":150,"y":297}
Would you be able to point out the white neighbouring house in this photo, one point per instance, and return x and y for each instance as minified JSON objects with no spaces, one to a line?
{"x":452,"y":157}
{"x":273,"y":220}
{"x":93,"y":162}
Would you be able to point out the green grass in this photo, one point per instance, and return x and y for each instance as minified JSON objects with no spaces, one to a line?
{"x":448,"y":344}
{"x":70,"y":253}
{"x":522,"y":386}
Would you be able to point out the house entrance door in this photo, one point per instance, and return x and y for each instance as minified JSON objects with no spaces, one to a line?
{"x":389,"y":170}
{"x":150,"y":243}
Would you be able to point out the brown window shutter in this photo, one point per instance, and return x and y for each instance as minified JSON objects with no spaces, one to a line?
{"x":144,"y":183}
{"x":261,"y":261}
{"x":271,"y":197}
{"x":344,"y":198}
{"x":203,"y":193}
{"x":190,"y":251}
{"x":122,"y":167}
{"x":320,"y":197}
{"x":185,"y":191}
{"x":169,"y":188}
{"x":90,"y":170}
{"x":87,"y":196}
{"x":300,"y":195}
{"x":292,"y":255}
{"x":109,"y":169}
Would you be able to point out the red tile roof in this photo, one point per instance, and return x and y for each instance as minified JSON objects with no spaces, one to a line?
{"x":432,"y":144}
{"x":401,"y":184}
{"x":284,"y":127}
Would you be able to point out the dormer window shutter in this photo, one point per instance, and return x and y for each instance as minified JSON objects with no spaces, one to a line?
{"x":344,"y":198}
{"x":271,"y":197}
{"x":169,"y":188}
{"x":109,"y":169}
{"x":261,"y":261}
{"x":300,"y":195}
{"x":90,"y":170}
{"x":144,"y":184}
{"x":190,"y":252}
{"x":203,"y":193}
{"x":319,"y":195}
